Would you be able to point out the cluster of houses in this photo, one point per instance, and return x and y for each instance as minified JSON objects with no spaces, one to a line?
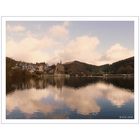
{"x":40,"y":68}
{"x":30,"y":67}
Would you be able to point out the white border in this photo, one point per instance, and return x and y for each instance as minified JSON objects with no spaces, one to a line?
{"x":71,"y":121}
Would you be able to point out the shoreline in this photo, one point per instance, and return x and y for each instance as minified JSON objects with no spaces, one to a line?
{"x":91,"y":76}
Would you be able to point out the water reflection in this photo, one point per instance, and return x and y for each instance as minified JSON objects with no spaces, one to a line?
{"x":67,"y":98}
{"x":11,"y":85}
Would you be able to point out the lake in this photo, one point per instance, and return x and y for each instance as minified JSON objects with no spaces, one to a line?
{"x":70,"y":98}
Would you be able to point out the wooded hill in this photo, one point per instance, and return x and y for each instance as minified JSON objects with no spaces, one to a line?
{"x":125,"y":66}
{"x":73,"y":68}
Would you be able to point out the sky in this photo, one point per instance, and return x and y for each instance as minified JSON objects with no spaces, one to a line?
{"x":93,"y":42}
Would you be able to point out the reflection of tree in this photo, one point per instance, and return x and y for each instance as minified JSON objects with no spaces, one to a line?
{"x":59,"y":82}
{"x":77,"y":82}
{"x":127,"y":83}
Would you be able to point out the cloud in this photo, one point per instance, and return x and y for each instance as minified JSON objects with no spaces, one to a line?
{"x":30,"y":49}
{"x":82,"y":48}
{"x":66,"y":24}
{"x":15,"y":28}
{"x":56,"y":45}
{"x":59,"y":31}
{"x":33,"y":49}
{"x":115,"y":53}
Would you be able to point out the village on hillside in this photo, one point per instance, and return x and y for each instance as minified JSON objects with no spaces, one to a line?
{"x":40,"y":68}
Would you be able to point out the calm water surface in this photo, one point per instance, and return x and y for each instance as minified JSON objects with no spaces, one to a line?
{"x":73,"y":98}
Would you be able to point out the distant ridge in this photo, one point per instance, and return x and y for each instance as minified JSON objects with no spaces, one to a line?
{"x":125,"y":66}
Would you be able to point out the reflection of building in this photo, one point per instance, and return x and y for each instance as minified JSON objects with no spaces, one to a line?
{"x":59,"y":69}
{"x":59,"y":82}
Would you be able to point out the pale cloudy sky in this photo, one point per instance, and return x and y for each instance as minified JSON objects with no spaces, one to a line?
{"x":94,"y":42}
